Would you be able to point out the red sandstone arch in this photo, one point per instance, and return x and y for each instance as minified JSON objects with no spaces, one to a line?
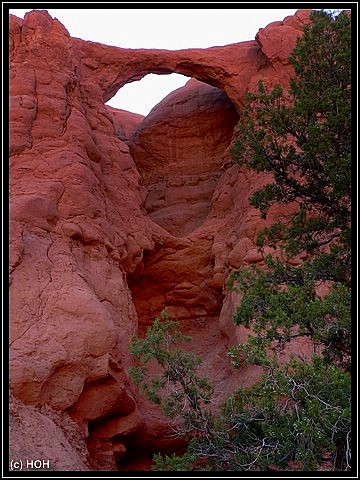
{"x":112,"y":67}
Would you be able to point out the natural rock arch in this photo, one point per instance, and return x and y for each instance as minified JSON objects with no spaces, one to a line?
{"x":113,"y":67}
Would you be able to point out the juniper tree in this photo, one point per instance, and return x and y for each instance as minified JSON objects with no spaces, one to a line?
{"x":303,"y":139}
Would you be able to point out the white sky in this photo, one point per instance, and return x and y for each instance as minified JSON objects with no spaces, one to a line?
{"x":164,"y":29}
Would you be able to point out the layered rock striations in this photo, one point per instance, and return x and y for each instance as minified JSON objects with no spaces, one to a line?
{"x":114,"y":217}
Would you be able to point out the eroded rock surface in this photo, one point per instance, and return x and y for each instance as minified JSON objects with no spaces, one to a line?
{"x":115,"y":217}
{"x":179,"y":150}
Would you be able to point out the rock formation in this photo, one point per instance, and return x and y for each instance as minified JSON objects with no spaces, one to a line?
{"x":115,"y":217}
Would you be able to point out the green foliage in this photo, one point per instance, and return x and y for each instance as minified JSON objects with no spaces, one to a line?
{"x":178,"y":389}
{"x":282,"y":303}
{"x":296,"y":413}
{"x":187,"y":462}
{"x":303,"y":138}
{"x":174,"y":463}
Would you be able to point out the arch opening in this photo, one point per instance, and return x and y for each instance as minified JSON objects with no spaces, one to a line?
{"x":141,"y":96}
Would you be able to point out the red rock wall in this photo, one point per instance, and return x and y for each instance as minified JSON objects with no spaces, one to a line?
{"x":115,"y":217}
